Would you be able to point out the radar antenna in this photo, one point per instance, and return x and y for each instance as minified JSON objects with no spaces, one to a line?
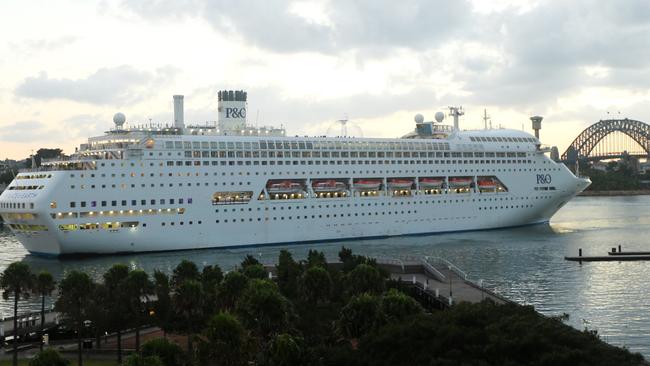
{"x":456,"y":112}
{"x":486,"y":118}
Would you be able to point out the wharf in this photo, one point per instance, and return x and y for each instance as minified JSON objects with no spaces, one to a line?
{"x":609,"y":258}
{"x":613,"y":255}
{"x":438,"y":279}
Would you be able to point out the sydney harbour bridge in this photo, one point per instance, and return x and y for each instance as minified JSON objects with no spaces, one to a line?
{"x":610,"y":139}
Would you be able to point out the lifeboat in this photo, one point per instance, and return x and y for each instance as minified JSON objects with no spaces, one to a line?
{"x":367,"y":185}
{"x":400,"y":183}
{"x":286,"y":186}
{"x":431,"y":183}
{"x":456,"y":182}
{"x":487,"y":184}
{"x":326,"y":186}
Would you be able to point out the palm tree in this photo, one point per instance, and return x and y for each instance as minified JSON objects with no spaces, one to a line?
{"x":162,"y":306}
{"x":16,"y":280}
{"x":75,"y":294}
{"x":187,"y":302}
{"x":139,"y":287}
{"x":43,"y":286}
{"x":114,"y":280}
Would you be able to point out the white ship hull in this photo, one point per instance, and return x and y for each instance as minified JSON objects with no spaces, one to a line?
{"x":157,"y":192}
{"x":301,"y":220}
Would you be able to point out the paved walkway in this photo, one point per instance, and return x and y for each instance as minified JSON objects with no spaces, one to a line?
{"x":439,"y":279}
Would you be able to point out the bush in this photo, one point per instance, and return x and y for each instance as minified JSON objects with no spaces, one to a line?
{"x":255,"y":271}
{"x":48,"y":357}
{"x":169,"y":353}
{"x":137,"y":360}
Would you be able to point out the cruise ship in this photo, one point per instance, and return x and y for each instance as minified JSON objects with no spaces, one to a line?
{"x":230,"y":184}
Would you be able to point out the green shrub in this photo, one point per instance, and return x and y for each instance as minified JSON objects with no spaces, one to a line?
{"x":171,"y":354}
{"x":48,"y":357}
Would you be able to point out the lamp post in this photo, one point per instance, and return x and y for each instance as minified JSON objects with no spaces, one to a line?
{"x":450,"y":293}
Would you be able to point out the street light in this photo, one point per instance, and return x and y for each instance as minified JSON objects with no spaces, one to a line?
{"x":450,"y":293}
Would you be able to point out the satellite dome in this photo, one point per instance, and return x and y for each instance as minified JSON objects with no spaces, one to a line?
{"x":419,"y":118}
{"x":439,"y":116}
{"x":119,"y":119}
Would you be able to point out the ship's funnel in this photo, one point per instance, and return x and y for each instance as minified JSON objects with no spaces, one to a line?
{"x":537,"y":124}
{"x":179,"y":121}
{"x":232,"y":110}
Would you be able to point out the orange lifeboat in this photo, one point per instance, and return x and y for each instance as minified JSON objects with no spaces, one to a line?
{"x":367,"y":184}
{"x":400,"y":183}
{"x":457,"y":182}
{"x":326,"y":186}
{"x":487,"y":184}
{"x":286,"y":186}
{"x":431,"y":183}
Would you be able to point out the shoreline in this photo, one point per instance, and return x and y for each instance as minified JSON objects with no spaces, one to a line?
{"x":638,"y":192}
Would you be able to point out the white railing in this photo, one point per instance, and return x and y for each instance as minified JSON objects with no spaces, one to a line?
{"x":452,"y":267}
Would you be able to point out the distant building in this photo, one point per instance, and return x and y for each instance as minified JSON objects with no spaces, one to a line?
{"x":600,"y":166}
{"x":644,"y":168}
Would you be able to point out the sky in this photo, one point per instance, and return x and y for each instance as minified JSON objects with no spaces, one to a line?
{"x":67,"y":66}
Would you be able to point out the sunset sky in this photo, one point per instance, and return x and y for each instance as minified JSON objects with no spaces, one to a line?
{"x":67,"y":66}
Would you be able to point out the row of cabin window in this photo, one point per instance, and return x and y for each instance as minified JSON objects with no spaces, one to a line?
{"x":346,"y":154}
{"x":308,"y":145}
{"x":501,"y":139}
{"x":376,"y":204}
{"x":134,"y":203}
{"x":338,"y":162}
{"x":16,"y":205}
{"x":170,"y":163}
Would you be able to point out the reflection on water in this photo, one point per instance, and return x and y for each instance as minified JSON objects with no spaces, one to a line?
{"x":524,"y":264}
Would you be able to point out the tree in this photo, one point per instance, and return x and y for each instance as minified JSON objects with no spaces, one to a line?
{"x":139,"y":287}
{"x":169,"y":353}
{"x":185,"y":270}
{"x":232,"y":286}
{"x":16,"y":280}
{"x":255,"y":271}
{"x":315,"y":284}
{"x":117,"y":301}
{"x":75,"y":292}
{"x":43,"y":286}
{"x":285,"y":350}
{"x":226,"y":341}
{"x":359,"y":316}
{"x":263,"y":308}
{"x":211,"y":277}
{"x":288,"y":271}
{"x":43,"y":153}
{"x":188,"y":302}
{"x":316,"y":258}
{"x":249,"y":260}
{"x":99,"y":313}
{"x":48,"y":357}
{"x":365,"y":278}
{"x":162,"y":306}
{"x":396,"y":306}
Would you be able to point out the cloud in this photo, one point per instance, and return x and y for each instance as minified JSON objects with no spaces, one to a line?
{"x":117,"y":85}
{"x":274,"y":25}
{"x":32,"y":46}
{"x":29,"y":131}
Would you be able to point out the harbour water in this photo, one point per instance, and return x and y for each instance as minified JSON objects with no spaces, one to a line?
{"x":524,"y":264}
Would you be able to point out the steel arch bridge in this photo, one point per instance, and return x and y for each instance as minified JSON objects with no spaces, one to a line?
{"x":591,"y":145}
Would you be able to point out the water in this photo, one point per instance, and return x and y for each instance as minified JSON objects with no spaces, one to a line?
{"x":524,"y":264}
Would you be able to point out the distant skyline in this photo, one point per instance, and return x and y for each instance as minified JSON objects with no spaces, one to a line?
{"x":67,"y":67}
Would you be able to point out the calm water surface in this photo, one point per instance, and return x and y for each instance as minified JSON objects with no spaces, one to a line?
{"x":524,"y":264}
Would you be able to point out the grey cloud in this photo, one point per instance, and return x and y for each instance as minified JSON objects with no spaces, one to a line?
{"x":122,"y":84}
{"x":270,"y":24}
